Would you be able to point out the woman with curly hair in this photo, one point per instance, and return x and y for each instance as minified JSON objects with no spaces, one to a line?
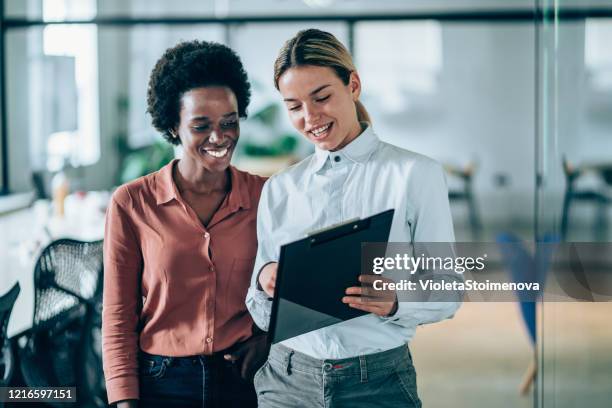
{"x":180,"y":244}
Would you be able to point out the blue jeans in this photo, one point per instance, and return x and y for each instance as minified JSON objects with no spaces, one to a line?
{"x":190,"y":382}
{"x":292,"y":379}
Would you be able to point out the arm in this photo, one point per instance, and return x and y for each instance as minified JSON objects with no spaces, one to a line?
{"x":430,"y":221}
{"x":258,"y":302}
{"x":121,"y":297}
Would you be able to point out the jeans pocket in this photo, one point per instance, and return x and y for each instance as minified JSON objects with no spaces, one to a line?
{"x":151,"y":366}
{"x":259,"y":373}
{"x":407,"y":381}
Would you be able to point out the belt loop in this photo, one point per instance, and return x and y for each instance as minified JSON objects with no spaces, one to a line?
{"x":364,"y":369}
{"x":288,"y":362}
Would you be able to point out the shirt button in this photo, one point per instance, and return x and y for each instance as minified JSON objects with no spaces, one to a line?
{"x":337,"y":159}
{"x":212,"y":268}
{"x":209,"y":339}
{"x":206,"y":235}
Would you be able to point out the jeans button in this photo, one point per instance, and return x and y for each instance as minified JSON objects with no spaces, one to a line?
{"x":327,"y":367}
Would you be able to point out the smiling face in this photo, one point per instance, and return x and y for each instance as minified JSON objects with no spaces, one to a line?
{"x":321,"y":106}
{"x":209,"y":126}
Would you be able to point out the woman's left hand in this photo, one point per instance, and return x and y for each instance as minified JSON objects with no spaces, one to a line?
{"x":250,"y":355}
{"x":380,"y":302}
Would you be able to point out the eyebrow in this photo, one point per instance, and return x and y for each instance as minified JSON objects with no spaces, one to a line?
{"x":319,"y":89}
{"x":227,"y":115}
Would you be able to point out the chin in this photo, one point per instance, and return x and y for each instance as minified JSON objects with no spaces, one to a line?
{"x":327,"y":145}
{"x":217,"y":165}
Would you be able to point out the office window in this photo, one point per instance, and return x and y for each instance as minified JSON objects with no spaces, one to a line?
{"x":69,"y":130}
{"x":398,"y":61}
{"x":598,"y":53}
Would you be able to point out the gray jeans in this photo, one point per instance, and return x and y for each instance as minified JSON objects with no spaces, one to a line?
{"x":293,"y":379}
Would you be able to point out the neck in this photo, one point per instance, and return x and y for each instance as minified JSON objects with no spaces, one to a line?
{"x":192,"y":177}
{"x":356,"y":130}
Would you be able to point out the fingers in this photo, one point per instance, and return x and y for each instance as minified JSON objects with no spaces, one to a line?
{"x":269,"y":289}
{"x":236,"y":353}
{"x":355,"y":290}
{"x":267,"y":278}
{"x":365,"y":300}
{"x":368,"y":280}
{"x":366,"y":308}
{"x":380,"y":309}
{"x":230,"y":357}
{"x":372,"y":295}
{"x":270,"y":286}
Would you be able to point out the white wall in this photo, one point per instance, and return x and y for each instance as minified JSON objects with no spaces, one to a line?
{"x":483,"y":111}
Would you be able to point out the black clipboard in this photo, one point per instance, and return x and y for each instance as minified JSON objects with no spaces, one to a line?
{"x":314,"y":272}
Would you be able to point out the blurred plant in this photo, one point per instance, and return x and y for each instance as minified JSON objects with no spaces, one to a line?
{"x":285,"y":144}
{"x":145,"y":160}
{"x":265,"y":137}
{"x":137,"y":162}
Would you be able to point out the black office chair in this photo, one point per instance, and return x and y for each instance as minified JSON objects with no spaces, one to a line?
{"x":594,"y":196}
{"x":7,"y":360}
{"x":63,"y":346}
{"x":466,"y":194}
{"x":38,"y":182}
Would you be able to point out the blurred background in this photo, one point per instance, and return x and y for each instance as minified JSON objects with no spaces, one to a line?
{"x":514,"y":97}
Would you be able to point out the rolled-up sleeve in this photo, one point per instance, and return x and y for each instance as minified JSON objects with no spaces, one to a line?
{"x":257,"y":301}
{"x":122,"y":271}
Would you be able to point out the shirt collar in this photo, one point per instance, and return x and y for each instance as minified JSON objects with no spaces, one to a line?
{"x":239,"y":196}
{"x":166,"y":190}
{"x":358,"y":151}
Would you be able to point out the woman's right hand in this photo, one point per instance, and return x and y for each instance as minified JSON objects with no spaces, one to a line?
{"x":128,"y":404}
{"x":267,"y":278}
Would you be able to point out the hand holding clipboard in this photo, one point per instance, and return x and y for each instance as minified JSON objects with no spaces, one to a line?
{"x":363,"y":297}
{"x":317,"y":277}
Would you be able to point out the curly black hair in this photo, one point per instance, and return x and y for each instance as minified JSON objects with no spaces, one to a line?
{"x":189,"y":65}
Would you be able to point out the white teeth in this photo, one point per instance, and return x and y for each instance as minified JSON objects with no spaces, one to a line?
{"x":318,"y":131}
{"x":217,"y":153}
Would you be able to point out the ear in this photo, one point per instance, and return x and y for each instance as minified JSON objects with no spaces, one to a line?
{"x":355,"y":85}
{"x":173,"y":132}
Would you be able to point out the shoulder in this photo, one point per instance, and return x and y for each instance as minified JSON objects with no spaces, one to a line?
{"x":252,"y":180}
{"x":294,"y":173}
{"x":406,"y":156}
{"x":416,"y":163}
{"x":289,"y":179}
{"x":130,"y":194}
{"x":254,"y":183}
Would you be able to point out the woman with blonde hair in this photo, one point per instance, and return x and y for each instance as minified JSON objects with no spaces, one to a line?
{"x":365,"y":361}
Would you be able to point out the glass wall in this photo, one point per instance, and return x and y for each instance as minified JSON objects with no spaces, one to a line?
{"x":573,"y":198}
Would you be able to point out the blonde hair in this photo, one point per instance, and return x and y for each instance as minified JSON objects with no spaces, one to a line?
{"x":319,"y":48}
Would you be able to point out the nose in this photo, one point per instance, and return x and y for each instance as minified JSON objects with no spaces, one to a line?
{"x":311,"y":114}
{"x":215,"y":136}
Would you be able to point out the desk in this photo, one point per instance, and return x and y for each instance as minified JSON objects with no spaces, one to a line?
{"x":24,"y":235}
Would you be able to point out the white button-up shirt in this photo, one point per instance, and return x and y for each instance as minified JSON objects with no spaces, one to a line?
{"x":366,"y":177}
